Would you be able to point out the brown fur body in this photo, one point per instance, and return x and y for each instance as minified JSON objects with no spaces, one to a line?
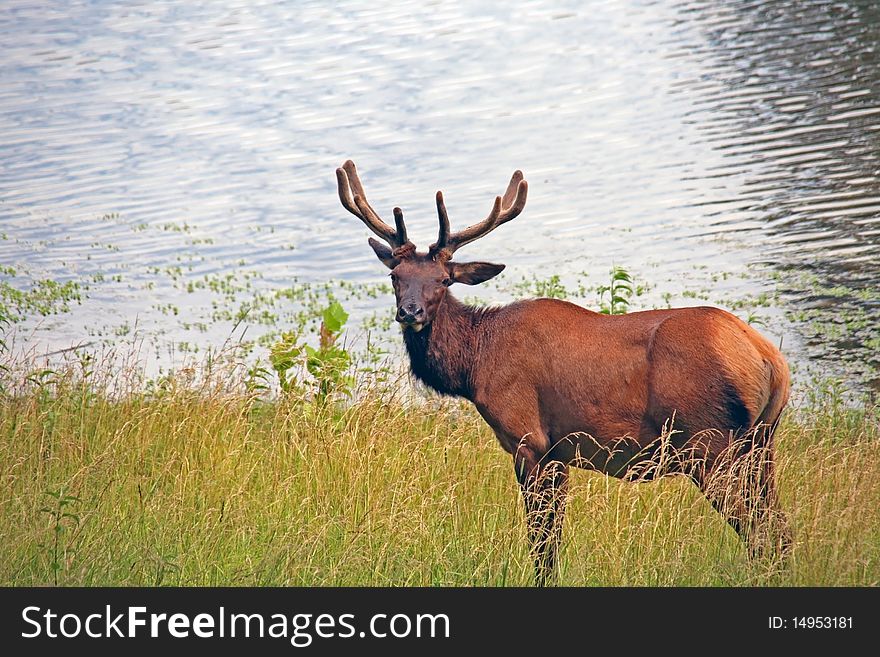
{"x":587,"y":384}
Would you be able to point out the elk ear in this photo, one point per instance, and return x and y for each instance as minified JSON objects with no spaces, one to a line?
{"x":384,"y":253}
{"x":472,"y":273}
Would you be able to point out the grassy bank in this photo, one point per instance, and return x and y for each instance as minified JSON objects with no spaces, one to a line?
{"x":186,"y":484}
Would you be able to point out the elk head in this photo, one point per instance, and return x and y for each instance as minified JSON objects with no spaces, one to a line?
{"x":420,"y":280}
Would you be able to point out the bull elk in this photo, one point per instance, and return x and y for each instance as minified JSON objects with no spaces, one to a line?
{"x":563,"y":386}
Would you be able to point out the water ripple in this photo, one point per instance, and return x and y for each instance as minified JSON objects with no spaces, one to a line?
{"x":680,"y":139}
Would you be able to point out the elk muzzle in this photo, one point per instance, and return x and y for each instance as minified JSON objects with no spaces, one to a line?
{"x":411,"y":314}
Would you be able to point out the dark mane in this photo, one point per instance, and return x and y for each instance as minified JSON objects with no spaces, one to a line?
{"x":443,"y":354}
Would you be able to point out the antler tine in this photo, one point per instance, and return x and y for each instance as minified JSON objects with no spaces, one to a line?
{"x":401,"y":227}
{"x":443,"y":236}
{"x":512,"y":189}
{"x":353,"y":198}
{"x":344,"y":189}
{"x":503,"y":210}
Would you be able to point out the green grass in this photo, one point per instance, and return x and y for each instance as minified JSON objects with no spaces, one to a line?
{"x":207,"y":484}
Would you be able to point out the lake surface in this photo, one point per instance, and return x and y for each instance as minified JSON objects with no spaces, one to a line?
{"x":177,"y":158}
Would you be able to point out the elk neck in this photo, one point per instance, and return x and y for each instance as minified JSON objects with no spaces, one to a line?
{"x":443,"y":355}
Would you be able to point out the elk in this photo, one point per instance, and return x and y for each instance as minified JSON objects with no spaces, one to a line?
{"x":562,"y":386}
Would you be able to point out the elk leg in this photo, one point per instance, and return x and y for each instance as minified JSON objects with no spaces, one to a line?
{"x":776,"y":521}
{"x":544,"y":487}
{"x":742,"y":488}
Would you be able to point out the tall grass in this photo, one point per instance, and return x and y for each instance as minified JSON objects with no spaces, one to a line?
{"x":209,"y":484}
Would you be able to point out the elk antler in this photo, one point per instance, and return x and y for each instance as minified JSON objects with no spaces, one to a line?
{"x":353,"y":198}
{"x":505,"y":208}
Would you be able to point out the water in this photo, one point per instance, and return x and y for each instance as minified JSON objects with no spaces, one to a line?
{"x":723,"y":152}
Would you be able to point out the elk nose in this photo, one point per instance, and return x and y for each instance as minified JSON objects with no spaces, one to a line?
{"x":410,"y":313}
